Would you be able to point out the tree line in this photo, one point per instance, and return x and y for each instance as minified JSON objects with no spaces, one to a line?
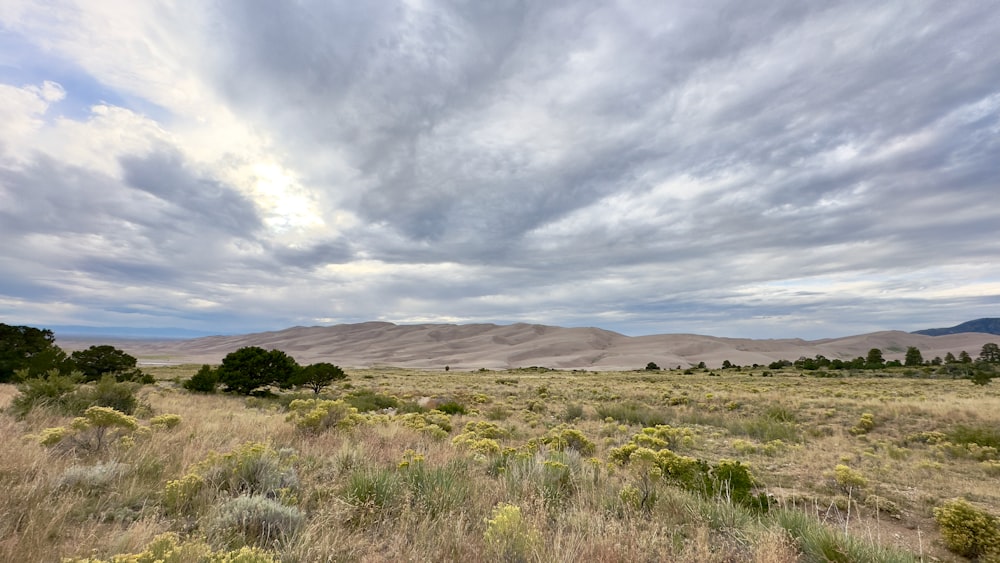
{"x":28,"y":353}
{"x":980,"y":369}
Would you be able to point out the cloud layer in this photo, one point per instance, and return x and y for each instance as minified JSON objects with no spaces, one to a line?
{"x":796,"y":170}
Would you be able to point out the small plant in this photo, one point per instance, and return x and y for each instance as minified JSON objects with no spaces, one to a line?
{"x":254,"y":521}
{"x":165,"y":421}
{"x":865,"y":424}
{"x":107,"y":392}
{"x":51,"y":391}
{"x":92,"y":478}
{"x":251,"y":469}
{"x":168,"y":548}
{"x":848,"y":478}
{"x":366,"y":401}
{"x":373,"y":494}
{"x":92,"y":431}
{"x":574,"y":411}
{"x":508,"y":536}
{"x":563,"y":437}
{"x":451,"y":407}
{"x":968,"y":530}
{"x":318,"y":415}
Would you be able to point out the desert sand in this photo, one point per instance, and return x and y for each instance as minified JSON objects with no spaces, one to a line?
{"x":474,"y":346}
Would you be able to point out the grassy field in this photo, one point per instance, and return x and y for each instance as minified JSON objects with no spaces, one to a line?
{"x":541,"y":466}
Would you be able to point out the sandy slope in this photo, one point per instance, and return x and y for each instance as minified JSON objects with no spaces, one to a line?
{"x":520,"y":345}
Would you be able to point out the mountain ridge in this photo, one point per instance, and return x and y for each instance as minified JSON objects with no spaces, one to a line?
{"x":491,"y":346}
{"x":986,"y":325}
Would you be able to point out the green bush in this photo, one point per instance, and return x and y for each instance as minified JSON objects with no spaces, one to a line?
{"x":982,"y":435}
{"x":967,"y":530}
{"x":373,"y":494}
{"x":366,"y":401}
{"x":438,"y":491}
{"x":106,"y":392}
{"x":205,"y":381}
{"x":574,"y":411}
{"x":52,"y":391}
{"x":451,"y":407}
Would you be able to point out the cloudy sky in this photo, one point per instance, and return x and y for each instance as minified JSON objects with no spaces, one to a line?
{"x":734,"y":168}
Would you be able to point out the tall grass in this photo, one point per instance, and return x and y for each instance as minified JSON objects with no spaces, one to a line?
{"x":386,"y":490}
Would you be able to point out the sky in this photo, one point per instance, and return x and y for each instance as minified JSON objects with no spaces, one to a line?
{"x":747,"y":169}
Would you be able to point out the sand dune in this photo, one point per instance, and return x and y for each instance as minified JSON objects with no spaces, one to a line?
{"x":491,"y":346}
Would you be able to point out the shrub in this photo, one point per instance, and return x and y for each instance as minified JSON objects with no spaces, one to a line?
{"x":451,"y":407}
{"x":167,"y":548}
{"x":563,"y":437}
{"x":967,"y":530}
{"x":165,"y":421}
{"x":254,"y":521}
{"x":983,"y":435}
{"x":317,"y":415}
{"x":435,"y":423}
{"x":92,"y":477}
{"x":366,"y":401}
{"x":865,"y":424}
{"x":251,"y":469}
{"x":574,"y":411}
{"x":51,"y":391}
{"x":508,"y":536}
{"x":632,"y":413}
{"x":107,"y":392}
{"x":848,"y":478}
{"x":92,"y":431}
{"x":205,"y":381}
{"x":437,"y":491}
{"x":373,"y":494}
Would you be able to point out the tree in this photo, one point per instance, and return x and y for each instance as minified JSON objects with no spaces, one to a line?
{"x":252,"y":367}
{"x":29,"y":348}
{"x":727,"y":364}
{"x":964,"y":357}
{"x":318,"y":376}
{"x":949,"y":358}
{"x":990,"y":353}
{"x":651,"y":366}
{"x":913,"y":357}
{"x":874,"y":359}
{"x":96,"y":361}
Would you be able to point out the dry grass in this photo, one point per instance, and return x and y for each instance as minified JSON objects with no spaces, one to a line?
{"x":734,"y":416}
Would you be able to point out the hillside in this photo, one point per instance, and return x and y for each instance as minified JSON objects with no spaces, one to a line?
{"x":986,"y":326}
{"x":492,"y":346}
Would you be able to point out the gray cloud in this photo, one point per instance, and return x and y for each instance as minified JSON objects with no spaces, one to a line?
{"x":622,"y":164}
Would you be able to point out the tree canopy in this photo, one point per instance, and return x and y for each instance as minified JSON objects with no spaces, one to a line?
{"x":96,"y":361}
{"x":990,"y":353}
{"x":252,"y":367}
{"x":913,"y":357}
{"x":29,"y":348}
{"x":318,"y":376}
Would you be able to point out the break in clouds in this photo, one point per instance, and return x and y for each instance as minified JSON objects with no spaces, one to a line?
{"x":731,"y":168}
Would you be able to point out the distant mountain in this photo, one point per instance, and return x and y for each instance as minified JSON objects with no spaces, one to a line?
{"x":77,"y":331}
{"x":491,"y":346}
{"x":985,"y":326}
